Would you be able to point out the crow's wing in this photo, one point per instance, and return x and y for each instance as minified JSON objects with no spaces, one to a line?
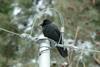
{"x":57,"y":31}
{"x":51,"y":31}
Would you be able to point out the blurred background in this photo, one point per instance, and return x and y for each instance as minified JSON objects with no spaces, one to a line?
{"x":80,"y":18}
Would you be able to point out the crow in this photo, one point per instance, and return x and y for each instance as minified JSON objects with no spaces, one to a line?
{"x":51,"y":31}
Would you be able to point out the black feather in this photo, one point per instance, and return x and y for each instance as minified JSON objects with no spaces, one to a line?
{"x":51,"y":31}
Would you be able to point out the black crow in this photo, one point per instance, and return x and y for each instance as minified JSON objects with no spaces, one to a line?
{"x":51,"y":31}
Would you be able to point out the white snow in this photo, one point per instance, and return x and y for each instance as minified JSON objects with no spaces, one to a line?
{"x":33,"y":61}
{"x":16,"y":10}
{"x":30,"y":21}
{"x":40,"y":5}
{"x":28,"y":29}
{"x":20,"y":26}
{"x":49,"y":12}
{"x":18,"y":65}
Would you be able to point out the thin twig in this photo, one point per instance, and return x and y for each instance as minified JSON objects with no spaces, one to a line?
{"x":84,"y":65}
{"x":34,"y":21}
{"x":77,"y":64}
{"x":76,"y":35}
{"x":9,"y":31}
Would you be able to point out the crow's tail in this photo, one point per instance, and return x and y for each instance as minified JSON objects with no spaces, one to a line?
{"x":63,"y":51}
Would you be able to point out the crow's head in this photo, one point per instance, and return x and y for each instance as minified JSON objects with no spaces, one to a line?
{"x":45,"y":22}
